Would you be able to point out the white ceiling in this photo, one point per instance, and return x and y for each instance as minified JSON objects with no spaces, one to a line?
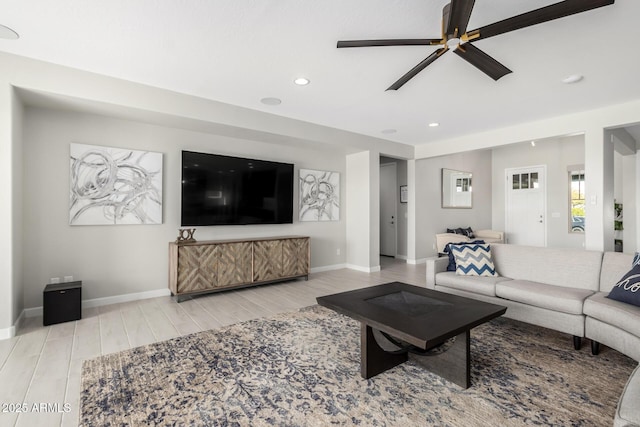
{"x":239,"y":51}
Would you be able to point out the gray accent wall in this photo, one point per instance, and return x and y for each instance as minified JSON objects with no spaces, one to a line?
{"x":124,"y":259}
{"x":431,"y":218}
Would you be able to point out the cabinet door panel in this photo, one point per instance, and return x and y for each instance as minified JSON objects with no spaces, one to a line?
{"x":234,"y":266}
{"x":295,"y":257}
{"x":197,"y":268}
{"x":267,"y":260}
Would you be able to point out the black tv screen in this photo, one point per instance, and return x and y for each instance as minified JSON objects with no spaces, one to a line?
{"x":224,"y":190}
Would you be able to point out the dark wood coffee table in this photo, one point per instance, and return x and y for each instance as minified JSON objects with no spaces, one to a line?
{"x":399,"y":320}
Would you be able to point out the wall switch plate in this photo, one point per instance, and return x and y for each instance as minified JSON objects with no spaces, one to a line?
{"x":54,"y":280}
{"x":68,"y":278}
{"x":338,"y":251}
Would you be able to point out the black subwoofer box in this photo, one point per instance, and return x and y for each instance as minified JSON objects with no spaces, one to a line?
{"x":62,"y":302}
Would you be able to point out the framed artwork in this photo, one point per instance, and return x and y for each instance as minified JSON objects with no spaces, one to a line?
{"x":114,"y":186}
{"x":404,"y":194}
{"x":319,"y":195}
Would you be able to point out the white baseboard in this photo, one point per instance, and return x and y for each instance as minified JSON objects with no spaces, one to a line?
{"x":404,"y":257}
{"x":6,"y":333}
{"x":10,"y":332}
{"x":364,"y":269}
{"x":97,"y":302}
{"x":328,"y":268}
{"x":416,"y":261}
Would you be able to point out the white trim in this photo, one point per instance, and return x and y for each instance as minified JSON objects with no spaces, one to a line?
{"x":417,"y":261}
{"x":364,"y":269}
{"x":398,"y":256}
{"x":7,"y":333}
{"x":97,"y":302}
{"x":10,"y":332}
{"x":328,"y":268}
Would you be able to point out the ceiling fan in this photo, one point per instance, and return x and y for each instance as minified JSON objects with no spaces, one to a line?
{"x":455,"y":17}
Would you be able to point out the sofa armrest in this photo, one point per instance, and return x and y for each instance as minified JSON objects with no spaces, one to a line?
{"x":495,"y":236}
{"x":435,"y":265}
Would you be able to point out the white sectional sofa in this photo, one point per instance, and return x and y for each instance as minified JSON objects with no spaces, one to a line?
{"x":561,"y":289}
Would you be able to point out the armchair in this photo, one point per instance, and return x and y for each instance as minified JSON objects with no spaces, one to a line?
{"x":489,"y":236}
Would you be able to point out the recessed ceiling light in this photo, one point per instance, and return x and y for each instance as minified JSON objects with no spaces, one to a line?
{"x":434,"y":124}
{"x":301,"y":81}
{"x":573,"y":78}
{"x":8,"y":33}
{"x":271,"y":101}
{"x":388,"y":131}
{"x":533,"y":143}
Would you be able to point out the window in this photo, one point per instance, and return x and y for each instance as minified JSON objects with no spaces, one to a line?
{"x":525,"y":181}
{"x":576,"y":201}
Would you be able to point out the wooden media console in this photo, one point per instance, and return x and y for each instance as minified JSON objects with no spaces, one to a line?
{"x":216,"y":265}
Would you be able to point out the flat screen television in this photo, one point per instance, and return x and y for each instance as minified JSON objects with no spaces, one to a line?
{"x":224,"y":190}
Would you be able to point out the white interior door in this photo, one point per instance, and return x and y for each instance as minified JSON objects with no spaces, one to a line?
{"x":526,"y":206}
{"x":388,"y":210}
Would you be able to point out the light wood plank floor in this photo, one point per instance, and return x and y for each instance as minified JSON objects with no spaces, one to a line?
{"x":43,"y":364}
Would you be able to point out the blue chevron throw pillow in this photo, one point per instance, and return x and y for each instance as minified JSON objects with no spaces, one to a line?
{"x":473,"y":260}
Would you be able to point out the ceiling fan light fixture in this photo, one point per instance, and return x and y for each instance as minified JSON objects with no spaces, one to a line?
{"x":8,"y":33}
{"x":453,"y":42}
{"x":302,"y":81}
{"x":573,"y":78}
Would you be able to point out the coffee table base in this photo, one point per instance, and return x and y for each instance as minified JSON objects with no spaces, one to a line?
{"x":452,"y":364}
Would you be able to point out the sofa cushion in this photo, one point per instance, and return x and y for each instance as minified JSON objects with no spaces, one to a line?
{"x":627,"y":412}
{"x":452,"y":259}
{"x":614,"y":266}
{"x":558,"y":298}
{"x":479,"y":285}
{"x":628,"y":288}
{"x":615,"y":313}
{"x":473,"y":259}
{"x":636,"y":259}
{"x":573,"y":268}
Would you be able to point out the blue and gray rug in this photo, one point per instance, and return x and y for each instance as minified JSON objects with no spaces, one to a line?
{"x":303,"y":369}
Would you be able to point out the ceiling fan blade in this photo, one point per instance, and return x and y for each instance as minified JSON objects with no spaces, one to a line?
{"x":415,"y":70}
{"x":482,"y":61}
{"x":392,"y":42}
{"x":537,"y":16}
{"x":456,"y":17}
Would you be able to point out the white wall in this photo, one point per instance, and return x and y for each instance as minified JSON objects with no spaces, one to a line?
{"x":556,"y":154}
{"x":116,"y":260}
{"x":624,"y":171}
{"x":11,"y":302}
{"x":17,"y":198}
{"x":363,"y":211}
{"x":431,"y":218}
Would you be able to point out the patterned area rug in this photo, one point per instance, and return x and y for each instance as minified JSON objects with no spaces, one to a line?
{"x":303,"y":369}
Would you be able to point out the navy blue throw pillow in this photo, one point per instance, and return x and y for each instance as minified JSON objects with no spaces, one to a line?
{"x":452,"y":259}
{"x":628,"y":288}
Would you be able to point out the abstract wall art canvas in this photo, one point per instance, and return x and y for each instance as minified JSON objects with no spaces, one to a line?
{"x":319,"y":195}
{"x":114,"y":186}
